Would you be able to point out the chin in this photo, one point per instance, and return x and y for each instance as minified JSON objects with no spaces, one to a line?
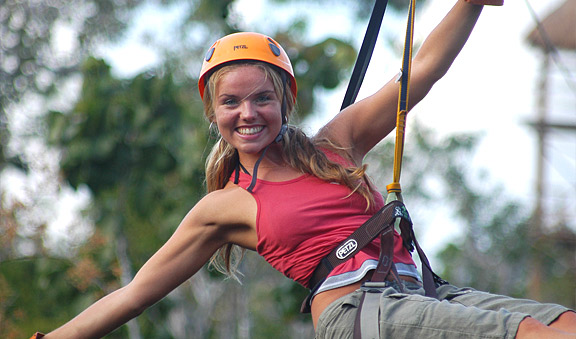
{"x":251,"y":150}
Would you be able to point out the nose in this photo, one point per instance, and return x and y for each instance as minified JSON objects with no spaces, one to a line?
{"x":248,"y":111}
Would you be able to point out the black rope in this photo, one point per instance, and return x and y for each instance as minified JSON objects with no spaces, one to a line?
{"x":365,"y":53}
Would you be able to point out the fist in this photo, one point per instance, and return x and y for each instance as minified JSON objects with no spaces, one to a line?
{"x":487,"y":2}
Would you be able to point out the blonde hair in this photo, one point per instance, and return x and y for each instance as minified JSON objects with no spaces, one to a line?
{"x":299,"y":151}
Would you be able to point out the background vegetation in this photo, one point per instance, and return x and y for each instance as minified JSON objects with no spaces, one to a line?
{"x":136,"y":147}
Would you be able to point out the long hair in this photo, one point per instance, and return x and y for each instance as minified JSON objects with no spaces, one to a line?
{"x":299,"y":151}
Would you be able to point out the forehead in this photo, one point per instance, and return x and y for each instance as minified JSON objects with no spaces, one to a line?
{"x":243,"y":76}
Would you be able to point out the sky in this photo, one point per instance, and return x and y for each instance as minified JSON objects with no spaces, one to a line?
{"x":489,"y":89}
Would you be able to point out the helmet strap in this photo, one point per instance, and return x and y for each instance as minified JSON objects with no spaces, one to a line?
{"x":283,"y":129}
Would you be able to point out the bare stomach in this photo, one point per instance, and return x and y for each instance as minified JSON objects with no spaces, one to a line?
{"x":323,"y":299}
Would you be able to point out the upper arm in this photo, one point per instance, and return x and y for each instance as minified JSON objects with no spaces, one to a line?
{"x":365,"y":123}
{"x":219,"y":218}
{"x":222,"y":217}
{"x":362,"y":125}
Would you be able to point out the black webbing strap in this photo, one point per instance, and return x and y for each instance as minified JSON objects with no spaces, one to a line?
{"x":380,"y":222}
{"x":430,"y":279}
{"x":365,"y":53}
{"x":367,"y":322}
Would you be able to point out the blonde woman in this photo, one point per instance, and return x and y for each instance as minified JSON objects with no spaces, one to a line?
{"x":293,"y":198}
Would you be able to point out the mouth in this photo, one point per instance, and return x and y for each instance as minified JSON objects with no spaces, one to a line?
{"x":250,"y":130}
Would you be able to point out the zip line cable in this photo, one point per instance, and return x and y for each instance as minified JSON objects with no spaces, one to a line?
{"x":551,"y":49}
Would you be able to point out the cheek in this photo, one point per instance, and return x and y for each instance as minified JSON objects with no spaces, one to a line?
{"x":221,"y":118}
{"x":224,"y":123}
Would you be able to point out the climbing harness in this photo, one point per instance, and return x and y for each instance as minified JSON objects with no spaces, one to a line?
{"x":393,"y":214}
{"x":380,"y":224}
{"x":367,"y":318}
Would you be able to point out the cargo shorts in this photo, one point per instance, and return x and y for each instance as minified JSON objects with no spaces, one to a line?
{"x":457,"y":313}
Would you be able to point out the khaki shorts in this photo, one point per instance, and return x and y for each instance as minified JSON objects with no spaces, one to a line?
{"x":459,"y":313}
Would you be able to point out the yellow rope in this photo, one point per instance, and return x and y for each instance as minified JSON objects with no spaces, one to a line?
{"x":403,"y":103}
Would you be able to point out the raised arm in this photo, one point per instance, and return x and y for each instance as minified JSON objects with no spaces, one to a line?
{"x":206,"y":228}
{"x":362,"y":125}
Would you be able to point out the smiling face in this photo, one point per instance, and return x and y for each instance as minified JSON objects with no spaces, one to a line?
{"x":247,"y":108}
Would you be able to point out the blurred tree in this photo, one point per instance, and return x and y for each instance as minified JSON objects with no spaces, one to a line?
{"x":140,"y":151}
{"x":496,"y":243}
{"x":138,"y":145}
{"x":32,"y":56}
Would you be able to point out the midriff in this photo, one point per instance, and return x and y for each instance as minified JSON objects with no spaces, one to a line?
{"x":323,"y":299}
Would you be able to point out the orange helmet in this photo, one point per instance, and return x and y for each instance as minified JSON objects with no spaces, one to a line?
{"x":245,"y":46}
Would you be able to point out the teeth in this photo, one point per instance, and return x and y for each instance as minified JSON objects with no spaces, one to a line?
{"x":249,"y":130}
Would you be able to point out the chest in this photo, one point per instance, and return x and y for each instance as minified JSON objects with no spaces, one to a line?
{"x":292,"y":213}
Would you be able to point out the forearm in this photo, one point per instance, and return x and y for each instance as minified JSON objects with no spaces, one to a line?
{"x":101,"y":318}
{"x":445,"y":42}
{"x":364,"y":124}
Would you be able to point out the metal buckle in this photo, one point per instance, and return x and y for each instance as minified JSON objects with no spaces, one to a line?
{"x":376,"y":286}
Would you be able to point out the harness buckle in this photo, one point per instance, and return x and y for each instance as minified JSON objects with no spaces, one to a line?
{"x":376,"y":286}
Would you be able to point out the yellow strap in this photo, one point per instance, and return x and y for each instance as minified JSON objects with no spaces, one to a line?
{"x":403,"y":102}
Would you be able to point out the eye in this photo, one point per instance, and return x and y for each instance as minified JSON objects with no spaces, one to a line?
{"x":229,"y":102}
{"x":264,"y":98}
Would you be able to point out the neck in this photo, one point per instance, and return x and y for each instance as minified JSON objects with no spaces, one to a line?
{"x":272,"y":158}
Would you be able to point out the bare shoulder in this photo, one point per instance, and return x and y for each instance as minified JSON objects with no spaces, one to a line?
{"x":231,"y":212}
{"x":360,"y":126}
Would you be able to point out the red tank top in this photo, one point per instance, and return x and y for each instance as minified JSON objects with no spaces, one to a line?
{"x":300,"y":221}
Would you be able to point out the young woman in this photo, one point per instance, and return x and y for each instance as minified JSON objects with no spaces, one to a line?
{"x":293,"y":199}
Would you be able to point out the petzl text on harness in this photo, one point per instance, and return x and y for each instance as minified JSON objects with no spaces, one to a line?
{"x":381,"y":223}
{"x":367,"y":318}
{"x":368,"y":312}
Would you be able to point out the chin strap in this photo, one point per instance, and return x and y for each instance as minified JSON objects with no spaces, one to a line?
{"x":283,"y":129}
{"x":284,"y":108}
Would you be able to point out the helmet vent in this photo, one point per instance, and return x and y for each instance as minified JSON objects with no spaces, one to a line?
{"x":274,"y":48}
{"x":209,"y":54}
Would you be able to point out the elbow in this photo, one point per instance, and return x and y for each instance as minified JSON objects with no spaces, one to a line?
{"x":423,"y":77}
{"x":134,"y":302}
{"x":428,"y":74}
{"x":435,"y":75}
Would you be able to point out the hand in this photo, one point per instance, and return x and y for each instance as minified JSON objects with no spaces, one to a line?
{"x":487,"y":2}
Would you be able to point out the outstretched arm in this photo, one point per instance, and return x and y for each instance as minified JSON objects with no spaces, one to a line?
{"x":362,"y":125}
{"x":205,"y":229}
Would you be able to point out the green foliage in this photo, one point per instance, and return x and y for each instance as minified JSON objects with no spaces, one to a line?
{"x":138,"y":145}
{"x":500,"y":250}
{"x":32,"y":60}
{"x":321,"y":65}
{"x":32,"y":293}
